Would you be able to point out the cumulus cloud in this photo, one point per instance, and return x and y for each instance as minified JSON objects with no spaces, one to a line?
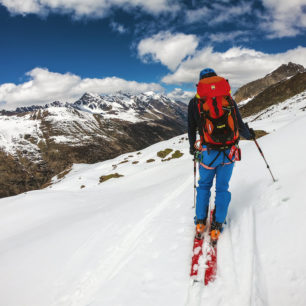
{"x":45,"y":87}
{"x":89,"y":8}
{"x":167,"y":48}
{"x":239,"y":65}
{"x":181,"y":95}
{"x":285,"y":18}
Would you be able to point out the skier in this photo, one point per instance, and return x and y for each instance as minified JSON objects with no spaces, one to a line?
{"x":218,"y":147}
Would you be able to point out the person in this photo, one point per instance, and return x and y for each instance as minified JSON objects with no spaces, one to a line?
{"x":216,"y":161}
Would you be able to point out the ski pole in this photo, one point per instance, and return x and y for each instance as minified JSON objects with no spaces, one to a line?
{"x":264,"y":159}
{"x":194,"y":179}
{"x":260,"y":151}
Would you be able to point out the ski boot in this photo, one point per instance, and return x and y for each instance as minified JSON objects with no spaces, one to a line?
{"x":215,"y":231}
{"x":200,"y":228}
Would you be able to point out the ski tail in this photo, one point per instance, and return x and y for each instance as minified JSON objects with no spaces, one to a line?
{"x":197,"y":253}
{"x":211,"y":263}
{"x":211,"y":259}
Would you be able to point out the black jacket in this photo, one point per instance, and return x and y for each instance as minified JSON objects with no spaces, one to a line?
{"x":194,"y":122}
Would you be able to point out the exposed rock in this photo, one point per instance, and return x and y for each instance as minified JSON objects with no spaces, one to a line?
{"x":104,"y":178}
{"x":274,"y":94}
{"x":254,"y":88}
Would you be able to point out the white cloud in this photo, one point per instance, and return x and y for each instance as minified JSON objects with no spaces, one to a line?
{"x":281,"y":18}
{"x":193,"y":16}
{"x":89,"y":8}
{"x":167,"y":48}
{"x":239,"y":65}
{"x":179,"y":94}
{"x":45,"y":87}
{"x":232,"y":12}
{"x":228,"y":36}
{"x":117,"y":27}
{"x":218,"y":13}
{"x":286,"y":18}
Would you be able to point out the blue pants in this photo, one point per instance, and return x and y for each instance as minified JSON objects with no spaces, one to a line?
{"x":222,"y":169}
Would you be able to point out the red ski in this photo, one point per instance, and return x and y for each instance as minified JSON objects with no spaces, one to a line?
{"x":211,"y":259}
{"x":197,"y":253}
{"x":211,"y":264}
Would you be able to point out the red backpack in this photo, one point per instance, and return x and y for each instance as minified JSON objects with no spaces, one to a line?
{"x":219,"y":123}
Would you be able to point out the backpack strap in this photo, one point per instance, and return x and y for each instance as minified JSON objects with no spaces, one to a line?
{"x":215,"y":158}
{"x":227,"y":157}
{"x":215,"y":105}
{"x":201,"y":112}
{"x":231,"y":103}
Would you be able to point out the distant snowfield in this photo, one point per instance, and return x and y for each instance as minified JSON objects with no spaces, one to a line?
{"x":128,"y":241}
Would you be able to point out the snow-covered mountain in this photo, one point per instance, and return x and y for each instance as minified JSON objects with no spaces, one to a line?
{"x":86,"y":240}
{"x":122,"y":106}
{"x":38,"y":142}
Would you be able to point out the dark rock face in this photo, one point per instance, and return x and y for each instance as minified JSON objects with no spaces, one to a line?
{"x":90,"y":130}
{"x":274,"y":94}
{"x":254,"y":88}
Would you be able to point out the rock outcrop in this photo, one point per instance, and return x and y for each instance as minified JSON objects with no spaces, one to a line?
{"x":252,"y":89}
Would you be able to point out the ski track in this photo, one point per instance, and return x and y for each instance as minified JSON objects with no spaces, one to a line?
{"x":90,"y":282}
{"x":259,"y":293}
{"x":250,"y":280}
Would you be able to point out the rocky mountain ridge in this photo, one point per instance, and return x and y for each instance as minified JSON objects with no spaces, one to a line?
{"x":275,"y":94}
{"x":253,"y":88}
{"x":105,"y":104}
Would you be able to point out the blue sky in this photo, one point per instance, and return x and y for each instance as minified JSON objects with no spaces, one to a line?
{"x":56,"y":49}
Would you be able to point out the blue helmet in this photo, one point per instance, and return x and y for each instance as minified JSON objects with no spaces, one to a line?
{"x":207,"y":72}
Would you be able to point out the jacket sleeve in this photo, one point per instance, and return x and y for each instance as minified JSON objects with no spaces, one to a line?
{"x":243,"y":129}
{"x":192,"y":124}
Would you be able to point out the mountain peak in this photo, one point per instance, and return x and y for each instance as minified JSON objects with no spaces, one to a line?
{"x":287,"y":70}
{"x":89,"y":94}
{"x":253,"y":88}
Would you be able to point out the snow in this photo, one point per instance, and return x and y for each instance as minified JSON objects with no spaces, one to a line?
{"x":12,"y":135}
{"x":244,"y":102}
{"x":128,"y":241}
{"x":280,"y":114}
{"x":129,"y":115}
{"x":123,"y":105}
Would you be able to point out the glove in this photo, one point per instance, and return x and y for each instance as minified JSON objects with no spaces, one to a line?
{"x":192,"y":150}
{"x":252,"y":133}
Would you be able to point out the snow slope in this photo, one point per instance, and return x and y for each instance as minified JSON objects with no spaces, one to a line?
{"x":128,"y":241}
{"x":278,"y":115}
